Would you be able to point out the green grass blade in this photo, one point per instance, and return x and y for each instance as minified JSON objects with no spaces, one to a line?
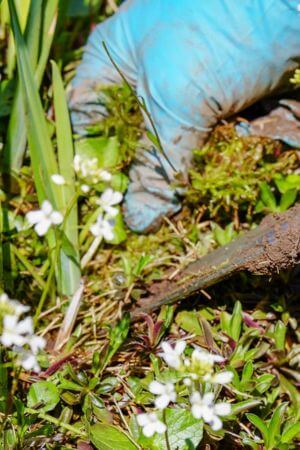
{"x":41,"y":149}
{"x":39,"y":36}
{"x":16,"y":135}
{"x":70,"y":266}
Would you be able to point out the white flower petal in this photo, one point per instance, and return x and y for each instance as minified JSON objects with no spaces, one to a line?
{"x":104,"y":175}
{"x":10,"y":322}
{"x":85,"y":188}
{"x":208,"y":398}
{"x":180,"y":347}
{"x":207,"y":413}
{"x":36,"y":343}
{"x":42,"y":227}
{"x":156,"y":388}
{"x":58,"y":179}
{"x":56,"y":218}
{"x":111,"y":210}
{"x":222,"y":409}
{"x":46,"y":207}
{"x":149,"y":430}
{"x":142,"y":419}
{"x":222,"y":377}
{"x":96,"y":230}
{"x":195,"y":397}
{"x":34,"y":217}
{"x":162,"y":401}
{"x":197,"y":411}
{"x":160,"y":427}
{"x":25,"y":326}
{"x":216,"y":423}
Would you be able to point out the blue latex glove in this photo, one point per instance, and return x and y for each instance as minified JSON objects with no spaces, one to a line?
{"x":194,"y":62}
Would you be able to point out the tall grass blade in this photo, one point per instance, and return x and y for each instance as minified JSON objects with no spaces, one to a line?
{"x":42,"y":153}
{"x":38,"y":36}
{"x":41,"y":150}
{"x":70,"y":265}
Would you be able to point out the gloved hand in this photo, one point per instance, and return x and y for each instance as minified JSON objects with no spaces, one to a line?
{"x":193,"y":62}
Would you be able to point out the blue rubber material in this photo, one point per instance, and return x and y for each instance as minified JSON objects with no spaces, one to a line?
{"x":194,"y":62}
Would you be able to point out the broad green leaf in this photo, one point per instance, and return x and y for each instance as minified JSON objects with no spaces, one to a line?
{"x":108,"y":437}
{"x":45,"y":392}
{"x":292,"y":432}
{"x":106,"y":150}
{"x":184,"y":432}
{"x":189,"y":321}
{"x":259,"y":424}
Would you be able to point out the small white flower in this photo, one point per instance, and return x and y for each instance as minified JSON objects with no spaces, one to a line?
{"x":205,"y":408}
{"x":88,"y":169}
{"x":27,"y":360}
{"x":206,"y":357}
{"x":172,"y":356}
{"x":187,"y":382}
{"x":103,"y":227}
{"x":108,"y":199}
{"x":219,"y":378}
{"x":202,"y":364}
{"x":85,"y":188}
{"x":44,"y":218}
{"x":12,"y":307}
{"x":58,"y":179}
{"x":104,"y":175}
{"x":14,"y":332}
{"x":165,"y":393}
{"x":151,"y":424}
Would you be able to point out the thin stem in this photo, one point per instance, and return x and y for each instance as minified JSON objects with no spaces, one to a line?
{"x":49,"y":280}
{"x":166,"y":433}
{"x":57,"y":422}
{"x":142,"y":105}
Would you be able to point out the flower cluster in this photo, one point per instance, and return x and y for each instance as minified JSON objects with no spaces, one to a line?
{"x":18,"y":334}
{"x":105,"y":220}
{"x":87,"y":170}
{"x":197,"y":373}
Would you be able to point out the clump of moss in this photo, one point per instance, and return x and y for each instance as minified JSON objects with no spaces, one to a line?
{"x":228,"y":171}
